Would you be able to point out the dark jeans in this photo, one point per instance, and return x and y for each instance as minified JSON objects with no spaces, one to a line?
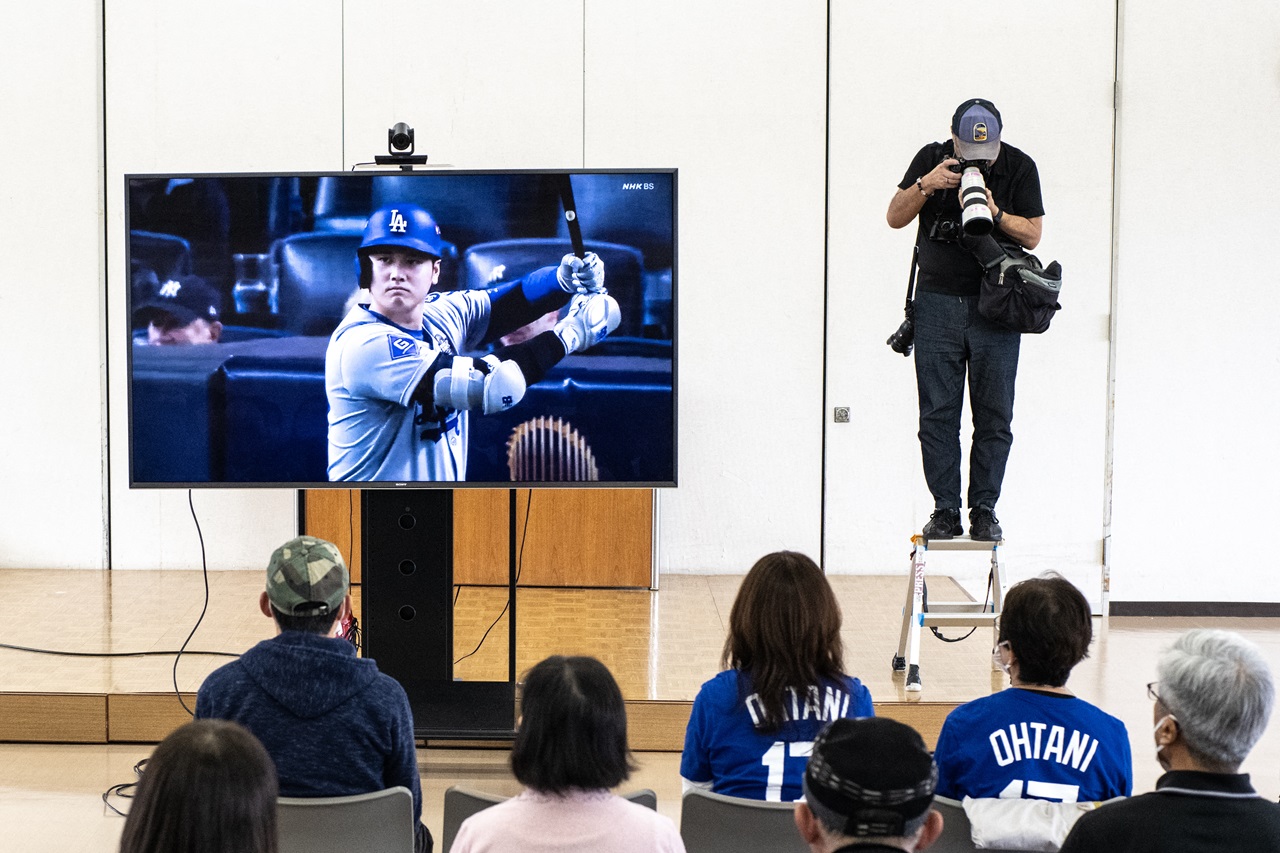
{"x":952,"y":338}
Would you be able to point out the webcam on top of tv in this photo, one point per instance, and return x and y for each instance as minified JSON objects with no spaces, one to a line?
{"x":400,"y":148}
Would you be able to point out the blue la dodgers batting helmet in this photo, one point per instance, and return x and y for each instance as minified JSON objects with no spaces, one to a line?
{"x":406,"y":225}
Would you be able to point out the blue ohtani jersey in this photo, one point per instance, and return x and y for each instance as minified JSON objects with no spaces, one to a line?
{"x":722,"y":745}
{"x":371,"y":369}
{"x":1034,"y":745}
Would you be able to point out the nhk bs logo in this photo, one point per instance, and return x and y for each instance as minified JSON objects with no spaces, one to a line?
{"x":399,"y":224}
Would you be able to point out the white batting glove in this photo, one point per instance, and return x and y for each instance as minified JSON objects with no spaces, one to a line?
{"x":591,"y":317}
{"x":581,"y":275}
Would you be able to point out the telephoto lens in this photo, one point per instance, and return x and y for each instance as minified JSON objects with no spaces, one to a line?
{"x":975,"y":216}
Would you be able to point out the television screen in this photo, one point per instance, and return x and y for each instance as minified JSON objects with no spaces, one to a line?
{"x":405,"y":328}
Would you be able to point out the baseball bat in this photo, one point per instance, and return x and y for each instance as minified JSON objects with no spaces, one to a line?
{"x":571,"y":215}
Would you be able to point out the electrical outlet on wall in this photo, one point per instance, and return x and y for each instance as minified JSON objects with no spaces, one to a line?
{"x":842,"y":414}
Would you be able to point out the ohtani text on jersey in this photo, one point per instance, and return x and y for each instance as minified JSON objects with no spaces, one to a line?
{"x":1027,"y":741}
{"x":828,"y":706}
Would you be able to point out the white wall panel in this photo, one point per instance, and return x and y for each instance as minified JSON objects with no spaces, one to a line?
{"x":734,"y":97}
{"x":1197,"y":379}
{"x":484,"y":84}
{"x":194,"y":87}
{"x":51,"y":286}
{"x":897,"y":76}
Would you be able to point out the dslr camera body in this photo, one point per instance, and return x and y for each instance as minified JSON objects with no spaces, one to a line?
{"x":904,"y":338}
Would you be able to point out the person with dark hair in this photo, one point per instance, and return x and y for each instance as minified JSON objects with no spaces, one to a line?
{"x":1036,"y":740}
{"x":333,"y":724}
{"x":570,"y":749}
{"x":1210,"y":706}
{"x":209,"y":787}
{"x":869,"y":786}
{"x":752,"y":725}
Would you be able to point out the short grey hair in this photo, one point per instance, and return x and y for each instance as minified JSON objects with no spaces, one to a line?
{"x":1220,"y":689}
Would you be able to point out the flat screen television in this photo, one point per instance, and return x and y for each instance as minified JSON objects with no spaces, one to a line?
{"x":238,"y":283}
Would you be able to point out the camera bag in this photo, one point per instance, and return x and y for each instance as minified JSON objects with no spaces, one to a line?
{"x":1018,"y":292}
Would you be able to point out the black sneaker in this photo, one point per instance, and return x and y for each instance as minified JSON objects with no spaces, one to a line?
{"x":944,"y":524}
{"x":984,"y":526}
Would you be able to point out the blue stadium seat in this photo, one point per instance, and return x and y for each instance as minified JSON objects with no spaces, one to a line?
{"x":477,"y":208}
{"x":167,"y":255}
{"x":271,"y":414}
{"x":343,"y":203}
{"x":317,"y":273}
{"x":170,"y":419}
{"x":623,"y":407}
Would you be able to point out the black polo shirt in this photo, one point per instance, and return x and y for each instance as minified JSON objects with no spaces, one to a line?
{"x":947,"y":267}
{"x":1189,"y":812}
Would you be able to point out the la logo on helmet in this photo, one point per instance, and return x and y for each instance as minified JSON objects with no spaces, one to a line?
{"x":398,"y":223}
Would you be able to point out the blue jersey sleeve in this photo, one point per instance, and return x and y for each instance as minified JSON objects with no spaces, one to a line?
{"x":695,"y":761}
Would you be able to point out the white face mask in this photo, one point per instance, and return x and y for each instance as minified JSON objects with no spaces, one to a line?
{"x":998,"y":659}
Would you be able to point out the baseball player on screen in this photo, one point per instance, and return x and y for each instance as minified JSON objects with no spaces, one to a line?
{"x":400,"y":392}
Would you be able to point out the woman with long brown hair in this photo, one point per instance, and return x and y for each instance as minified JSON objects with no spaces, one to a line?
{"x":753,"y":724}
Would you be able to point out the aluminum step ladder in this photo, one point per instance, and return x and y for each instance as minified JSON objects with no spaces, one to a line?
{"x":943,"y":613}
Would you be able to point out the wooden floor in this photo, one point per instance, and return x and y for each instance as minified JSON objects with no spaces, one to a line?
{"x":80,"y":723}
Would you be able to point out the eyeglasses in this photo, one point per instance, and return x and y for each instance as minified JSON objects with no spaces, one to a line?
{"x":1151,"y":691}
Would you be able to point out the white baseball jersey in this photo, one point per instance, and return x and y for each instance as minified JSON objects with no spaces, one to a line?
{"x":371,"y":369}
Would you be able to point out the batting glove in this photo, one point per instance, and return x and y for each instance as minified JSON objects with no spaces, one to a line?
{"x":591,"y":317}
{"x":581,"y":275}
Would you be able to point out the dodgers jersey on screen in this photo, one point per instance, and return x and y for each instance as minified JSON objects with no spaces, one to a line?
{"x":371,"y":369}
{"x":1034,"y":745}
{"x":723,"y":747}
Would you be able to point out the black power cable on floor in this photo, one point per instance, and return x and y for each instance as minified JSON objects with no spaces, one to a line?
{"x":204,"y":566}
{"x":528,"y":505}
{"x":124,"y":790}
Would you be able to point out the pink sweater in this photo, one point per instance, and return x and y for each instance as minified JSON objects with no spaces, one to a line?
{"x":581,"y":822}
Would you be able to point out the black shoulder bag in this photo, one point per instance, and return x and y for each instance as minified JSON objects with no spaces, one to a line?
{"x":1017,"y":291}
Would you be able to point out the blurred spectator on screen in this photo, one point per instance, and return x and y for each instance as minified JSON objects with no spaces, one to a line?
{"x":180,"y":311}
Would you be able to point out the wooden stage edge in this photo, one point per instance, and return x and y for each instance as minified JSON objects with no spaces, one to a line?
{"x":653,"y":725}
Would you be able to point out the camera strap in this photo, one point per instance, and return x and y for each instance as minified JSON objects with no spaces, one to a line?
{"x":911,"y":277}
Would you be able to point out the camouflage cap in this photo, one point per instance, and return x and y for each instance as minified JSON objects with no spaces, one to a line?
{"x":307,"y":577}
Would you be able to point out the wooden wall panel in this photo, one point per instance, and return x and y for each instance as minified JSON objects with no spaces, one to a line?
{"x":334,"y":514}
{"x":576,"y":537}
{"x":145,"y":717}
{"x":53,"y":717}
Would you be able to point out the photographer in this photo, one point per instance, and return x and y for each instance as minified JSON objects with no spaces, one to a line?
{"x":951,"y":338}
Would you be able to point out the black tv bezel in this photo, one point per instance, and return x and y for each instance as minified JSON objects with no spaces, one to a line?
{"x":416,"y":484}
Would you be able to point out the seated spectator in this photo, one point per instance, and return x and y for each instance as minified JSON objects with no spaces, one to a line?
{"x":332,"y":723}
{"x":1036,"y":740}
{"x":1212,"y":703}
{"x":570,"y":749}
{"x":209,"y":787}
{"x":179,"y":311}
{"x":753,"y":724}
{"x":869,"y":786}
